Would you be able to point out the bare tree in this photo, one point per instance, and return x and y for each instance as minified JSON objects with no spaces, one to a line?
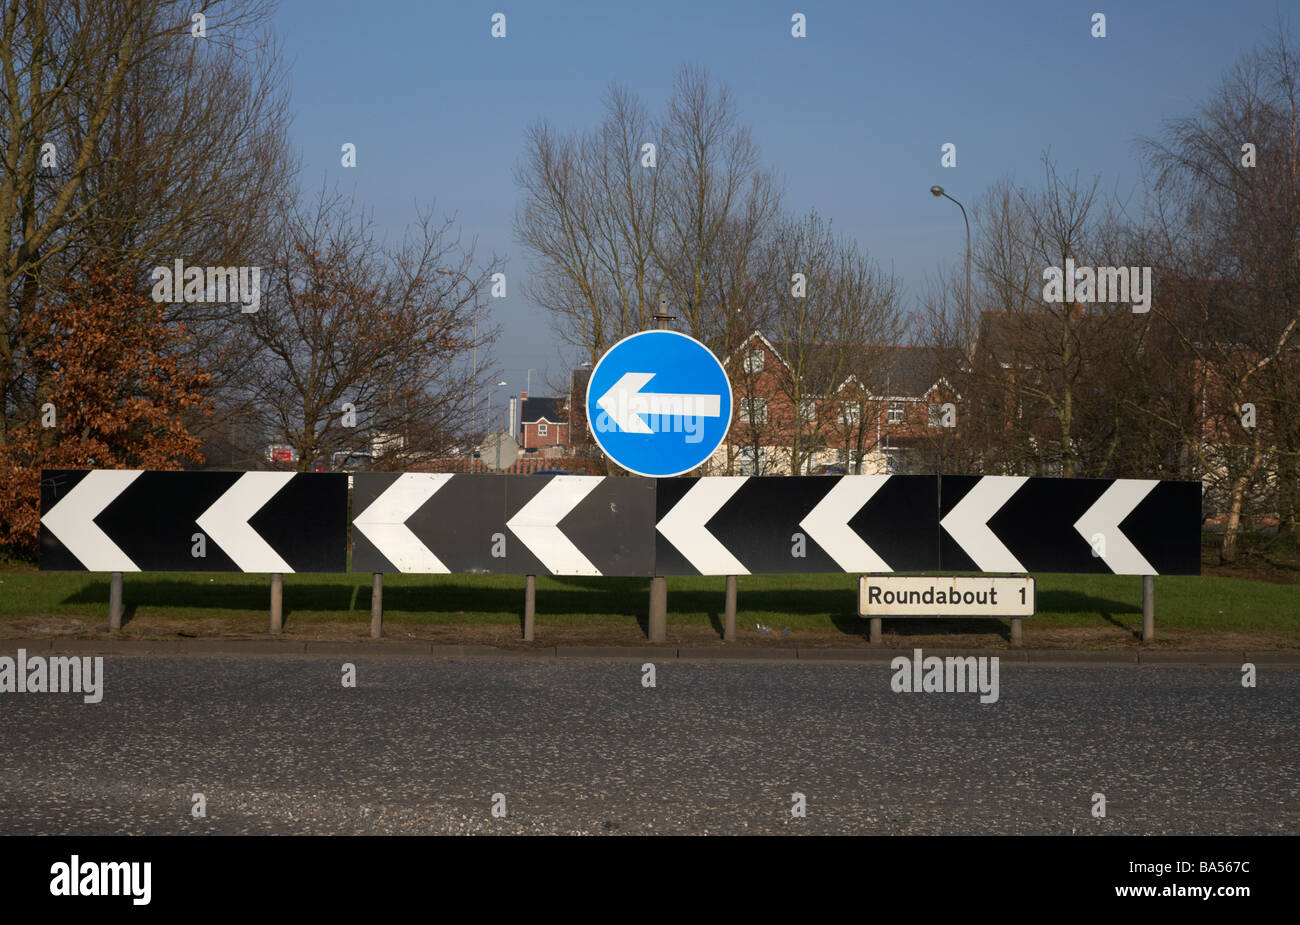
{"x":1228,"y":179}
{"x":1031,"y":372}
{"x":363,"y":345}
{"x":589,"y":215}
{"x":638,"y":209}
{"x":981,"y":403}
{"x":718,"y":203}
{"x":829,"y":303}
{"x":129,"y":139}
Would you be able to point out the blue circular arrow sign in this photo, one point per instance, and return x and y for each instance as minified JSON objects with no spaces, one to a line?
{"x":659,"y":403}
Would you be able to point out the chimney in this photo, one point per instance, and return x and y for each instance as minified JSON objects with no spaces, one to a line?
{"x":523,"y":396}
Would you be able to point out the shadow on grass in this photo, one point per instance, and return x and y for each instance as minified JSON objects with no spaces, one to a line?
{"x":253,"y":596}
{"x":1079,"y":602}
{"x":621,"y":597}
{"x":565,"y":595}
{"x":618,"y":597}
{"x":615,"y":597}
{"x":164,"y":593}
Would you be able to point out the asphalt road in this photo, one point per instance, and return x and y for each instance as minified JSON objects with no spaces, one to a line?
{"x":278,"y":745}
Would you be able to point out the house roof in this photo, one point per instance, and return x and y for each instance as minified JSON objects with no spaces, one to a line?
{"x":536,"y":409}
{"x":1216,"y":310}
{"x":883,"y":370}
{"x":1010,"y":335}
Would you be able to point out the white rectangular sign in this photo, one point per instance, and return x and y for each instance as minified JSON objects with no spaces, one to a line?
{"x":929,"y":596}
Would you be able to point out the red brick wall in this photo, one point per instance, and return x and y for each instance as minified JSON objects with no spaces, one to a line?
{"x":556,"y":434}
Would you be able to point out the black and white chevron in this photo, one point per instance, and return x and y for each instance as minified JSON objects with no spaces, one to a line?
{"x":1108,"y":526}
{"x":754,"y":524}
{"x":894,"y":523}
{"x":131,"y":520}
{"x":508,"y":524}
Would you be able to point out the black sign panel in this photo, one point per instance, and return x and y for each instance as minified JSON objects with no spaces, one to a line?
{"x":1106,"y":526}
{"x":131,"y":520}
{"x":743,"y":525}
{"x":506,"y":524}
{"x":776,"y":524}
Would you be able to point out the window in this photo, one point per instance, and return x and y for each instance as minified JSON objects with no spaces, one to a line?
{"x":850,"y":462}
{"x":753,"y":411}
{"x":541,"y":430}
{"x":850,"y":413}
{"x":894,"y":415}
{"x":752,"y":460}
{"x":808,"y":411}
{"x":754,"y":361}
{"x":936,"y":414}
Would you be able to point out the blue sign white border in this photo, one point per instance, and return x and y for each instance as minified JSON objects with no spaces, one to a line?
{"x":595,"y":431}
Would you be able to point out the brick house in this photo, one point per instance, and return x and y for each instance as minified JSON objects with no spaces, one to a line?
{"x":543,"y":422}
{"x":1159,"y":395}
{"x":815,"y":409}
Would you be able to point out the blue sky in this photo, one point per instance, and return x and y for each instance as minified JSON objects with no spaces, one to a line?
{"x":851,"y":117}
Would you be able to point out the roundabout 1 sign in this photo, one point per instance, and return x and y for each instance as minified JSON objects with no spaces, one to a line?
{"x":659,"y":403}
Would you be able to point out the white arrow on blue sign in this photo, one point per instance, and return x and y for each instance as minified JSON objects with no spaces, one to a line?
{"x":659,"y":403}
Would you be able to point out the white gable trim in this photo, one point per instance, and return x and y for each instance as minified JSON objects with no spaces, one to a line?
{"x":744,"y":345}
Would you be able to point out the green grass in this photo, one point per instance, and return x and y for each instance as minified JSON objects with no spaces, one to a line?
{"x":798,"y":601}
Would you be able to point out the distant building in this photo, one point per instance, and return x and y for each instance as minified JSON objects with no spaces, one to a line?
{"x":867,"y":415}
{"x":382,"y":443}
{"x":543,"y":422}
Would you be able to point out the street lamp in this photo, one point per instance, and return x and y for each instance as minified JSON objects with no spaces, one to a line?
{"x":500,"y":383}
{"x":937,"y":191}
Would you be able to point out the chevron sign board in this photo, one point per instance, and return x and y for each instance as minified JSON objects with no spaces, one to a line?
{"x":506,"y":524}
{"x":131,"y":520}
{"x":1108,"y":526}
{"x":896,"y":523}
{"x":778,"y":524}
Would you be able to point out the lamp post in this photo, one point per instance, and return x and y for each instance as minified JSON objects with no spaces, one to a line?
{"x":501,"y":383}
{"x":937,"y":191}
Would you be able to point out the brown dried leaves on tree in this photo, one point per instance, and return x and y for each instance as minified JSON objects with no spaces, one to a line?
{"x":112,"y":386}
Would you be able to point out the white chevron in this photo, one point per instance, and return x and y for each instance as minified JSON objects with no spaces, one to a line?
{"x":537,"y":524}
{"x":72,"y":520}
{"x":1116,"y":503}
{"x":383,"y":522}
{"x":828,"y":523}
{"x":968,"y":523}
{"x":683,"y":526}
{"x":226,"y":521}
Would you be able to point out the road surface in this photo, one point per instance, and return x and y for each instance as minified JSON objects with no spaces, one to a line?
{"x":420,"y":745}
